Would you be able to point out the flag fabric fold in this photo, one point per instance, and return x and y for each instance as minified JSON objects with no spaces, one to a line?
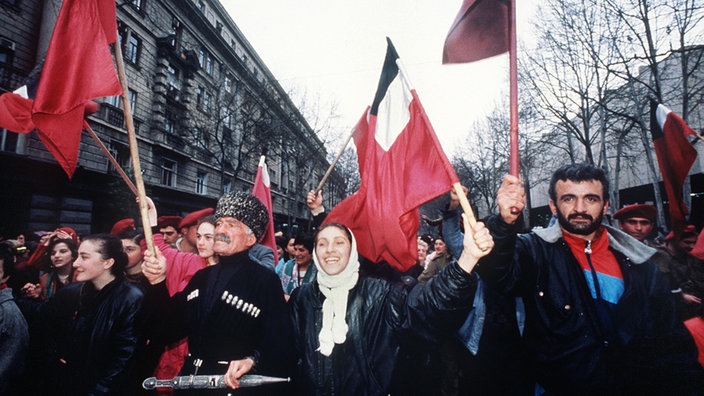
{"x":479,"y":31}
{"x":262,"y":190}
{"x":402,"y":166}
{"x":78,"y":67}
{"x":675,"y":156}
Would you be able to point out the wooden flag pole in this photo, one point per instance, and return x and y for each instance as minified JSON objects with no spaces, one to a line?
{"x":464,"y":203}
{"x":513,"y":103}
{"x":112,"y":159}
{"x":134,"y":152}
{"x":332,"y":164}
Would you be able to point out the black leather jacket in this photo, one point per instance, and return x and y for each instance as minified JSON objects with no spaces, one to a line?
{"x":379,"y":315}
{"x":648,"y":352}
{"x":94,"y":337}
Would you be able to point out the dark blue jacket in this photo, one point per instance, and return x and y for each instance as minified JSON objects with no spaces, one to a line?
{"x":648,"y":352}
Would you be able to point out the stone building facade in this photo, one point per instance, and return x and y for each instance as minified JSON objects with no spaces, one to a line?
{"x":205,"y":109}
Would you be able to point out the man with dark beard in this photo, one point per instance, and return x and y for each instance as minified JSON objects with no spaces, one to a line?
{"x":600,"y":318}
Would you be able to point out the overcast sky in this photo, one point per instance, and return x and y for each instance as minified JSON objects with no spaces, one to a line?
{"x":334,"y":49}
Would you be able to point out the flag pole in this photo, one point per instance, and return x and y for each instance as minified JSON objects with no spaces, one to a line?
{"x":112,"y":159}
{"x":134,"y":152}
{"x":513,"y":78}
{"x":332,"y":164}
{"x":464,"y":203}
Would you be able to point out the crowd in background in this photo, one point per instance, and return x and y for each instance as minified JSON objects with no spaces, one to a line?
{"x":94,"y":314}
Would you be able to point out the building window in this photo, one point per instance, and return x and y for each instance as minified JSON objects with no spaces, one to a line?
{"x":121,"y":153}
{"x":203,"y":99}
{"x":227,"y":187}
{"x":228,"y":83}
{"x":133,"y":49}
{"x":8,"y":141}
{"x":207,"y":99}
{"x":202,"y":183}
{"x":117,"y":100}
{"x":137,"y":5}
{"x":201,"y":6}
{"x":168,"y":173}
{"x":206,"y":61}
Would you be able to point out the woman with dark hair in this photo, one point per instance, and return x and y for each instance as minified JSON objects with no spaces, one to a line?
{"x":91,"y":322}
{"x":62,"y":254}
{"x":348,"y":328}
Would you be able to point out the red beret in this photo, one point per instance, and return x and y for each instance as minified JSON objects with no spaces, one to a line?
{"x":70,"y":232}
{"x":636,"y":210}
{"x":169,"y":221}
{"x":193,"y":217}
{"x":121,"y":226}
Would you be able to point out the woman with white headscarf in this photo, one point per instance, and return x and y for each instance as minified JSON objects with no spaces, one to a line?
{"x":348,"y":328}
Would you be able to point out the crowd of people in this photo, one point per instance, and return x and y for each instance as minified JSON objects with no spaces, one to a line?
{"x":579,"y":307}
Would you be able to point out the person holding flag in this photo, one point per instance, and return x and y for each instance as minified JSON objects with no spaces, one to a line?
{"x":600,"y":316}
{"x":347,"y":327}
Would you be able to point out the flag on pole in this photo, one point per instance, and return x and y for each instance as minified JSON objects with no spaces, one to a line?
{"x":480,"y":30}
{"x":402,"y":166}
{"x":675,"y":157}
{"x":78,"y":67}
{"x":262,"y":190}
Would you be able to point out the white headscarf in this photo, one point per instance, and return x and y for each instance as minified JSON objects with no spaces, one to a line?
{"x":336,"y":288}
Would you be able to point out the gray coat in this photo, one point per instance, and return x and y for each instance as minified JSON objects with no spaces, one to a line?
{"x":14,"y":341}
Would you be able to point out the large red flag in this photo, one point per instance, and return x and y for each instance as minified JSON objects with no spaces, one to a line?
{"x":402,"y":166}
{"x":675,"y":157}
{"x":262,"y":190}
{"x":78,"y":67}
{"x":479,"y":31}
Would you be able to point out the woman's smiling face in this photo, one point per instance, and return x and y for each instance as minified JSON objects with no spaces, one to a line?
{"x":332,"y":248}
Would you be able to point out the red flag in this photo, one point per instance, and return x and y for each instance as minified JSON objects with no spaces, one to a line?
{"x":402,"y":166}
{"x":675,"y":156}
{"x":479,"y":31}
{"x":78,"y":67}
{"x":16,"y":113}
{"x":262,"y":190}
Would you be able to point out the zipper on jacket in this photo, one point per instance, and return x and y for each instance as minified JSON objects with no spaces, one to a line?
{"x":588,"y":253}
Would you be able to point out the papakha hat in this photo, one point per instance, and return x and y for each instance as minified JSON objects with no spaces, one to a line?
{"x":246,"y":208}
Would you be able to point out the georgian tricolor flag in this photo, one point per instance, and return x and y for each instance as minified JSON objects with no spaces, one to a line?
{"x":402,"y":166}
{"x":262,"y":190}
{"x":675,"y":157}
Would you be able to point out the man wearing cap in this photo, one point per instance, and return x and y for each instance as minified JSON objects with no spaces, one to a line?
{"x":234,"y":313}
{"x":189,"y":229}
{"x":637,"y":220}
{"x":168,"y":227}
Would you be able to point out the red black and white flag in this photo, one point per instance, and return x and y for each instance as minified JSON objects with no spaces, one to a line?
{"x":262,"y":190}
{"x":675,"y":155}
{"x":402,"y":166}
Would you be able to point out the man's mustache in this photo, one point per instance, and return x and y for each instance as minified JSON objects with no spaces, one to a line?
{"x":222,"y":238}
{"x":580,"y":216}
